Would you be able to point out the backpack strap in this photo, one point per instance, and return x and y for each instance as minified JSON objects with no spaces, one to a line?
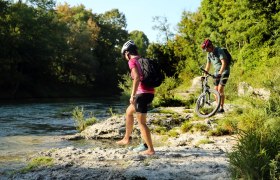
{"x":139,"y":68}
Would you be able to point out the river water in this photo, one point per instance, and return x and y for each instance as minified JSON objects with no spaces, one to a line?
{"x":32,"y":126}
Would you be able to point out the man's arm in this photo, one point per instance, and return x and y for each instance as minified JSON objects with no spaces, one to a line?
{"x":224,"y":64}
{"x":207,"y":67}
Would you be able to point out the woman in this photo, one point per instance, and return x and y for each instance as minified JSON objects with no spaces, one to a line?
{"x":140,"y":97}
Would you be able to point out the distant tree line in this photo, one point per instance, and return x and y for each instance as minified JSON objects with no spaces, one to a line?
{"x":59,"y":51}
{"x":50,"y":50}
{"x":249,"y":29}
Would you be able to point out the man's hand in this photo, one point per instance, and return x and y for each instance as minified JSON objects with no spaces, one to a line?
{"x":218,"y":76}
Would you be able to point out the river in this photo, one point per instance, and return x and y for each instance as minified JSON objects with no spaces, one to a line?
{"x":36,"y":125}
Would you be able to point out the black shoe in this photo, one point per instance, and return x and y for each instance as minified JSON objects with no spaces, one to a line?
{"x":221,"y":110}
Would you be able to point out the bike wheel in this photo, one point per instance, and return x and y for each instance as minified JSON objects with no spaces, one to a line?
{"x":208,"y":103}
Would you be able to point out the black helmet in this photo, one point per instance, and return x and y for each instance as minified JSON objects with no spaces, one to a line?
{"x":130,"y":47}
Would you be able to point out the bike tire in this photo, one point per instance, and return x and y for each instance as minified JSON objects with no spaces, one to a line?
{"x":206,"y":104}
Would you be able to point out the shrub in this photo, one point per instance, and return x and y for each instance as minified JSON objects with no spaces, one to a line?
{"x":191,"y":100}
{"x":165,"y":94}
{"x":273,"y":106}
{"x":80,"y":121}
{"x":256,"y":155}
{"x":125,"y":86}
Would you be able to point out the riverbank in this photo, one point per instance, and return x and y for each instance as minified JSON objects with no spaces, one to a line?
{"x":187,"y":156}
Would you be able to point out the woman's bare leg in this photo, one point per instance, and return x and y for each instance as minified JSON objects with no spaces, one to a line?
{"x":128,"y":125}
{"x":145,"y":133}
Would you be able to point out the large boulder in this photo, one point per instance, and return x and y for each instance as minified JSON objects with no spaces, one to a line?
{"x":244,"y":89}
{"x":113,"y":127}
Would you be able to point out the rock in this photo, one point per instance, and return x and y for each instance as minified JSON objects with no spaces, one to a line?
{"x":111,"y":128}
{"x":196,"y":84}
{"x":244,"y":89}
{"x":180,"y":158}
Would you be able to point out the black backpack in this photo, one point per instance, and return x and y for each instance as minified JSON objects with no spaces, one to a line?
{"x":152,"y":74}
{"x":229,"y":57}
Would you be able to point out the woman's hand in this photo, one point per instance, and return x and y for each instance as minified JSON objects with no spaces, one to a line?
{"x":132,"y":99}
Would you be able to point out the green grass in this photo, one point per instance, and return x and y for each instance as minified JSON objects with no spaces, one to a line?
{"x":186,"y":126}
{"x":257,"y":153}
{"x":200,"y":127}
{"x":80,"y":121}
{"x":37,"y":163}
{"x":256,"y":156}
{"x":173,"y":133}
{"x":219,"y":131}
{"x":204,"y":141}
{"x":160,"y":130}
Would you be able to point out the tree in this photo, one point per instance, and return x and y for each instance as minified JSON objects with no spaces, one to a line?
{"x":163,"y":27}
{"x":80,"y":65}
{"x":32,"y":40}
{"x":140,"y":40}
{"x":112,"y":36}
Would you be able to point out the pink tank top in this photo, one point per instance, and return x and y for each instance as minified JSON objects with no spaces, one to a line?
{"x":133,"y":63}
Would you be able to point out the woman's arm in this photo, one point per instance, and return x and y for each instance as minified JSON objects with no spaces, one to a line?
{"x":135,"y":84}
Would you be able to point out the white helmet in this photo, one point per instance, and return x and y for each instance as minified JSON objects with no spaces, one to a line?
{"x":128,"y":46}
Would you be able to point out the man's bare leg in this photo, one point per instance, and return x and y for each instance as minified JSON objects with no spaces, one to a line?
{"x":222,"y":93}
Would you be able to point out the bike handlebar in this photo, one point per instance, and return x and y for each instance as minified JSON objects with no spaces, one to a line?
{"x":206,"y":72}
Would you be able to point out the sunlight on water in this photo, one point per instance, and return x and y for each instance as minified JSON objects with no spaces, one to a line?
{"x":28,"y":128}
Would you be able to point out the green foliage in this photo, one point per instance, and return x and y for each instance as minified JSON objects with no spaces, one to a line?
{"x":165,"y":56}
{"x":219,"y":131}
{"x":229,"y":125}
{"x":125,"y":85}
{"x":256,"y":156}
{"x":173,"y":133}
{"x":46,"y":50}
{"x":273,"y":106}
{"x":160,"y":130}
{"x":186,"y":126}
{"x":112,"y":111}
{"x":165,"y":94}
{"x":80,"y":121}
{"x":37,"y":163}
{"x":200,"y":127}
{"x":141,"y":40}
{"x":163,"y":27}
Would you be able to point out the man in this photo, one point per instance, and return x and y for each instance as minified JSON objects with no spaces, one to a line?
{"x":141,"y":96}
{"x":218,"y":58}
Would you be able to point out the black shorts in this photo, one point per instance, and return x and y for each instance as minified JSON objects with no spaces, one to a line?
{"x":222,"y":81}
{"x":142,"y":101}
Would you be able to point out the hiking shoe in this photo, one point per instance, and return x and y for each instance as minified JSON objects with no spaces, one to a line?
{"x":141,"y":147}
{"x":221,"y":110}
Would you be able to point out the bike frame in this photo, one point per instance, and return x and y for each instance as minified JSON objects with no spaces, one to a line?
{"x":204,"y":101}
